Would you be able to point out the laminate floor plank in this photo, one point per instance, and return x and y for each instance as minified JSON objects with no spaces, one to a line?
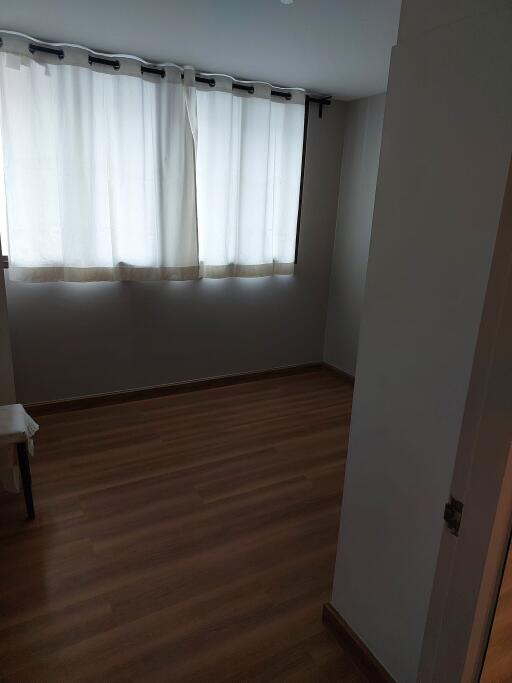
{"x":189,"y":537}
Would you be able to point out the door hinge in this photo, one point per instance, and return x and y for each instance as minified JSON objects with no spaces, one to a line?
{"x":453,"y":515}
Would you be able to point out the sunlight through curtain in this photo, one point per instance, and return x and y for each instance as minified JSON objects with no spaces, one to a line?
{"x":111,"y":173}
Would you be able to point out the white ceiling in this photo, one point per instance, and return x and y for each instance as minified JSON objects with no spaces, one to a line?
{"x":338,"y":47}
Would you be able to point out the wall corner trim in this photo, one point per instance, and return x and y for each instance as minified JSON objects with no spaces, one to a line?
{"x":99,"y":400}
{"x":341,"y":373}
{"x":363,"y":657}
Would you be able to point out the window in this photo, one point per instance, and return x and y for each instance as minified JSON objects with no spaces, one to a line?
{"x":111,"y":173}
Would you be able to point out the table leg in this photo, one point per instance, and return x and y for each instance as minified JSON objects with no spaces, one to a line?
{"x":26,"y":479}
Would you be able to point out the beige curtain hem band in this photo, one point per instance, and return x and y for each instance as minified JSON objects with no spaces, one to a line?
{"x":60,"y":274}
{"x":237,"y":270}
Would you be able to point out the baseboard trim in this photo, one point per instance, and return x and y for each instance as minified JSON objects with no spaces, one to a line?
{"x":341,"y":373}
{"x":366,"y":661}
{"x":97,"y":400}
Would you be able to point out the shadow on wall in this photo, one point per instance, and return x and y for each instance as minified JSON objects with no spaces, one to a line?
{"x":363,"y":133}
{"x":101,"y":337}
{"x":72,"y":340}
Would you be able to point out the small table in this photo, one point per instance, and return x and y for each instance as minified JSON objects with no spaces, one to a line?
{"x":16,"y":429}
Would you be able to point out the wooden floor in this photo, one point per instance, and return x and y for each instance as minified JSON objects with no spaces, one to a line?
{"x":498,"y":660}
{"x":185,"y":538}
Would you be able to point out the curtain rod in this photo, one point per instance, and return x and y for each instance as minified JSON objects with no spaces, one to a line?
{"x":38,"y":46}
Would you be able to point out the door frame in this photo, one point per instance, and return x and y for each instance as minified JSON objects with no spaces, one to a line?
{"x":491,"y":609}
{"x":491,"y":580}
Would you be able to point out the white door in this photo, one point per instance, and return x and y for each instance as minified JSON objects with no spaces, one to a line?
{"x":469,"y":564}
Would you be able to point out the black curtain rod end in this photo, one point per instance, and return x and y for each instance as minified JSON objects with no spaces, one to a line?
{"x":116,"y":65}
{"x":321,"y":101}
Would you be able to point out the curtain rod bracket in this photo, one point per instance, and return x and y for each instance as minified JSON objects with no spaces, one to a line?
{"x":321,"y":101}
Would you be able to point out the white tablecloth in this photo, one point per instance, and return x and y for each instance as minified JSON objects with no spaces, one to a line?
{"x":16,"y":426}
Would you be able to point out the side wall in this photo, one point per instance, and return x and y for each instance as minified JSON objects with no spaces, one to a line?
{"x":446,"y":149}
{"x":79,"y":339}
{"x":363,"y":132}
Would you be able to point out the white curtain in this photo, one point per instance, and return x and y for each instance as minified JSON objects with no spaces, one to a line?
{"x":249,"y":153}
{"x":117,"y":175}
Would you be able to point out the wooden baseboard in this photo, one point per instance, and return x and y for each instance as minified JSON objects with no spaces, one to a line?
{"x":341,"y":373}
{"x":79,"y":403}
{"x":366,"y":661}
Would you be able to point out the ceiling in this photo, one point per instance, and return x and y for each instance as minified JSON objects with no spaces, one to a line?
{"x":337,"y":47}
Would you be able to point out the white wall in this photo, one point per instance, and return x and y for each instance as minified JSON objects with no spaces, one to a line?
{"x":361,"y":149}
{"x":79,"y":339}
{"x":446,"y":147}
